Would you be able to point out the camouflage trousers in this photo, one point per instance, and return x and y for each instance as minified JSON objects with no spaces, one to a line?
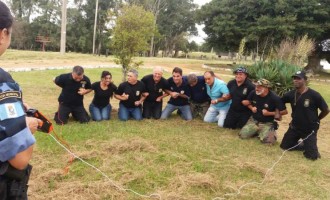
{"x":199,"y":109}
{"x":264,"y":130}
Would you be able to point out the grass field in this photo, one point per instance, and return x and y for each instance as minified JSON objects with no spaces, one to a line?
{"x":174,"y":159}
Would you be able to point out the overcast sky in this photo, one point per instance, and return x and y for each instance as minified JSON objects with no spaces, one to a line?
{"x":199,"y":39}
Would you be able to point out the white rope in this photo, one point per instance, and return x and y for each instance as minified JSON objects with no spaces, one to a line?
{"x":112,"y":182}
{"x":268,"y":171}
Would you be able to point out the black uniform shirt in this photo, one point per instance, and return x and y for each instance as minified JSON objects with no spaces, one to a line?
{"x":69,"y":95}
{"x":134,"y":91}
{"x":270,"y":102}
{"x":102,"y":97}
{"x":155,"y":90}
{"x":238,"y":94}
{"x":305,"y":108}
{"x":182,"y":89}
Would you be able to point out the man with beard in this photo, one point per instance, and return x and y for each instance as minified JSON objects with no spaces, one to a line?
{"x":305,"y":123}
{"x":239,"y":89}
{"x":155,"y":87}
{"x":263,"y":104}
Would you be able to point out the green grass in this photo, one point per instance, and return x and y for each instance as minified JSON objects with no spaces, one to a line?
{"x":173,"y":158}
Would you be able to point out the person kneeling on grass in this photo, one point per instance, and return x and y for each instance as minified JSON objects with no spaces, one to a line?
{"x":263,"y":103}
{"x":305,"y":103}
{"x":131,"y":94}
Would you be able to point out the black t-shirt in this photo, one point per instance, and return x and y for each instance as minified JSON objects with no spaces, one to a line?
{"x":270,"y":102}
{"x":238,"y":94}
{"x":305,"y":108}
{"x":198,"y":92}
{"x":155,"y":90}
{"x":69,"y":95}
{"x":134,"y":91}
{"x":182,"y":89}
{"x":102,"y":97}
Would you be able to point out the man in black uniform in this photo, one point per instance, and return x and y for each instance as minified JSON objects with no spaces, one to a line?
{"x":305,"y":123}
{"x":155,"y":86}
{"x":74,"y":86}
{"x":131,"y":94}
{"x":239,"y":89}
{"x":263,"y":104}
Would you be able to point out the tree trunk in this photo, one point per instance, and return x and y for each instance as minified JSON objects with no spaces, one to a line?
{"x":314,"y":63}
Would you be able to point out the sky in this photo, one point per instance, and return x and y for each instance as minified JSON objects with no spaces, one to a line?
{"x":201,"y":35}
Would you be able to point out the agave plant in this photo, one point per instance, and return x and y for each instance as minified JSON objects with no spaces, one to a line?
{"x":278,"y":72}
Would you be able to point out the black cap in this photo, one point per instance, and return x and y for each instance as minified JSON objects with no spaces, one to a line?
{"x":300,"y":74}
{"x":241,"y":69}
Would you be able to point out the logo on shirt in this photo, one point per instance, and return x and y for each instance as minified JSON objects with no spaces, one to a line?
{"x":83,"y":83}
{"x":306,"y":103}
{"x":160,"y":90}
{"x":266,"y":105}
{"x":245,"y":91}
{"x":172,"y":88}
{"x":137,"y":93}
{"x":11,"y":110}
{"x":203,"y":88}
{"x":182,"y":92}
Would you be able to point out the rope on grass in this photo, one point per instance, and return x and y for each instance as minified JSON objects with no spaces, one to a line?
{"x":238,"y":191}
{"x":158,"y":196}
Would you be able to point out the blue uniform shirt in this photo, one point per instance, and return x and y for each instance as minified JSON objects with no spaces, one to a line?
{"x":15,"y":136}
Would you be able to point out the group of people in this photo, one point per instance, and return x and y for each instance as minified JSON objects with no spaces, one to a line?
{"x":240,"y":104}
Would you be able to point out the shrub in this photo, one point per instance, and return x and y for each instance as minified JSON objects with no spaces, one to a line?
{"x":278,"y":72}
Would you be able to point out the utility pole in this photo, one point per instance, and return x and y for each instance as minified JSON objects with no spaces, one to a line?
{"x":63,"y":27}
{"x":95,"y":22}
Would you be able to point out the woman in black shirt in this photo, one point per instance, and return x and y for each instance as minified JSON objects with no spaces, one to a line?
{"x":100,"y":108}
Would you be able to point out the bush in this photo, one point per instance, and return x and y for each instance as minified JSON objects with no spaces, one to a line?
{"x":278,"y":72}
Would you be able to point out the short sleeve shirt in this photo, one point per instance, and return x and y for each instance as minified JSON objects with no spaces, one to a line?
{"x":270,"y":102}
{"x":198,"y":91}
{"x":69,"y":95}
{"x":154,"y":89}
{"x":305,"y":108}
{"x":238,"y":94}
{"x":182,"y":89}
{"x":134,"y":91}
{"x":218,"y":89}
{"x":102,"y":97}
{"x":15,"y":136}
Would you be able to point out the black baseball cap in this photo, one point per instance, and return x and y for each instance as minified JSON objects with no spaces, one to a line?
{"x":300,"y":74}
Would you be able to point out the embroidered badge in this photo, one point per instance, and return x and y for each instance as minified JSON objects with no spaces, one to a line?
{"x":137,"y":93}
{"x":83,"y":83}
{"x":245,"y":91}
{"x":306,"y":103}
{"x":182,"y":92}
{"x":11,"y":110}
{"x":266,"y":105}
{"x":11,"y":94}
{"x":160,"y":90}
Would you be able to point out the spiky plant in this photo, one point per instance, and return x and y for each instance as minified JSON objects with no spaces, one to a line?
{"x":278,"y":72}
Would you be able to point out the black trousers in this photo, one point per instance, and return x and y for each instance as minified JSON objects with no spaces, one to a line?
{"x":152,"y":109}
{"x":236,"y":120}
{"x":292,"y":136}
{"x":78,"y":112}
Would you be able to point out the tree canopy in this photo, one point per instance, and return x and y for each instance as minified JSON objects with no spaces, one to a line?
{"x":263,"y":21}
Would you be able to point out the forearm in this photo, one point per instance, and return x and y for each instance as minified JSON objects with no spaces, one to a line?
{"x":22,"y":159}
{"x":323,"y":114}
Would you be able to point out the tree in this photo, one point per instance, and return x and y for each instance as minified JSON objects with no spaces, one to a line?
{"x":131,"y":34}
{"x":264,"y":23}
{"x":176,"y":19}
